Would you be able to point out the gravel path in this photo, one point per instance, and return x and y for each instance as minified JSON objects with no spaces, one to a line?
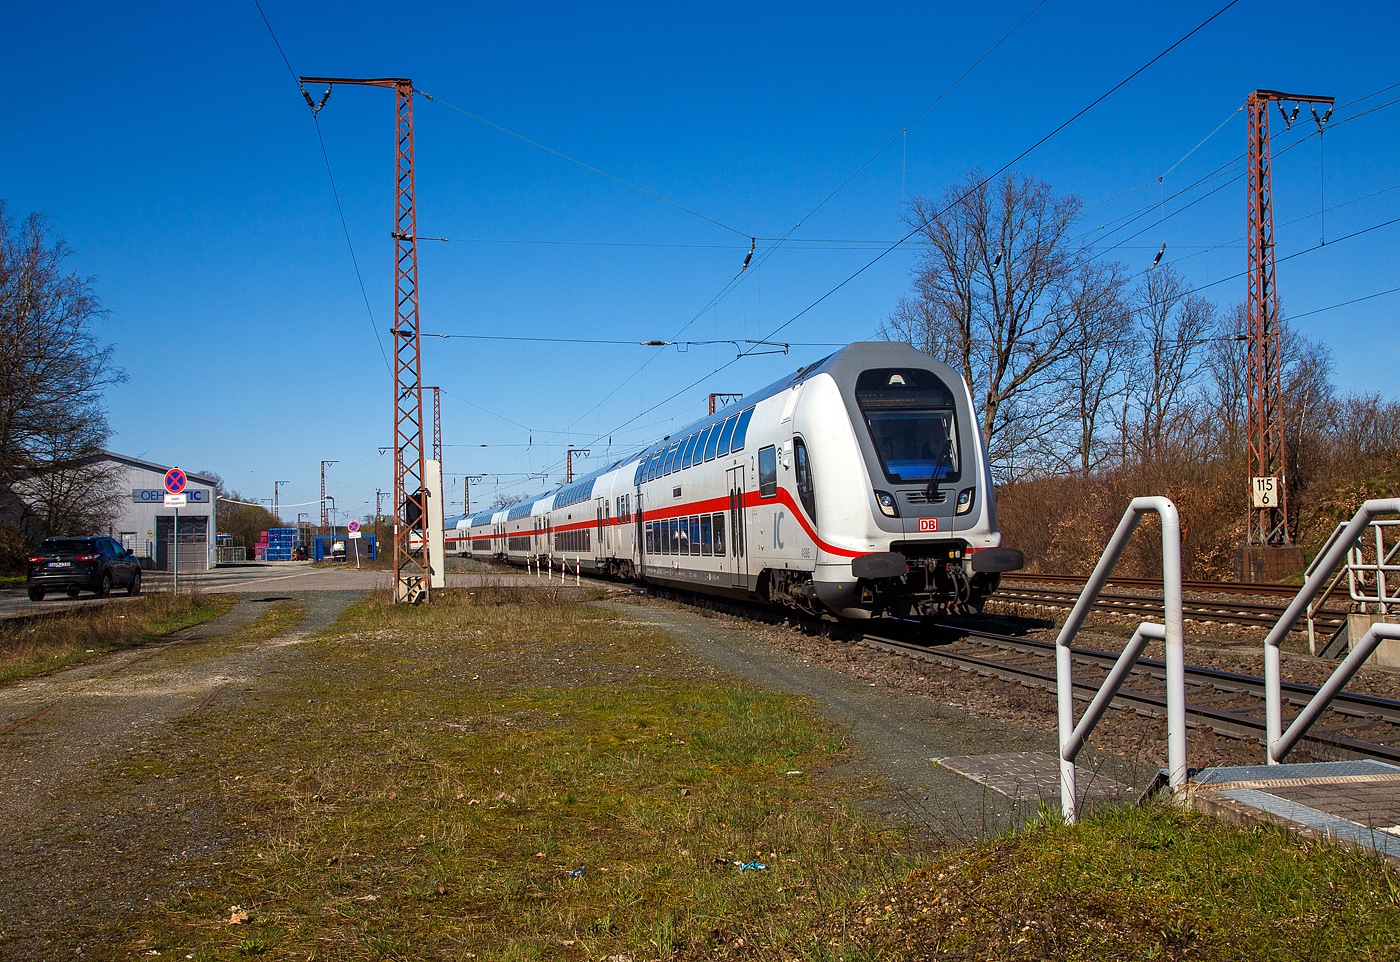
{"x":76,"y":849}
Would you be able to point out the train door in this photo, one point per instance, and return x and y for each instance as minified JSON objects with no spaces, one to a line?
{"x":601,"y":526}
{"x":738,"y":549}
{"x":638,"y":532}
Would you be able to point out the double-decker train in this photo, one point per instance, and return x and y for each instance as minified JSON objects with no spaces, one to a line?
{"x":857,"y":486}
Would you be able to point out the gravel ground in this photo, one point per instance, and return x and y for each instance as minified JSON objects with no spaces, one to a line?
{"x":73,"y":853}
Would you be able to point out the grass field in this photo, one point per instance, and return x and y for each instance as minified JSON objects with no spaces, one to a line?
{"x":508,"y":776}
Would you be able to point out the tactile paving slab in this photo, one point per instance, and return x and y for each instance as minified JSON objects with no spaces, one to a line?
{"x":1031,"y":775}
{"x":1355,"y":801}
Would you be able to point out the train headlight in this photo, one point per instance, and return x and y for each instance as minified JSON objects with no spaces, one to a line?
{"x":888,"y":506}
{"x":965,"y":499}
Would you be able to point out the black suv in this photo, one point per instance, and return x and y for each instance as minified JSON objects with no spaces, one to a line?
{"x":82,"y":564}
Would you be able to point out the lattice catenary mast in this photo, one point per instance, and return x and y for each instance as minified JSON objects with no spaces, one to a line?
{"x":411,"y":582}
{"x":1268,"y":512}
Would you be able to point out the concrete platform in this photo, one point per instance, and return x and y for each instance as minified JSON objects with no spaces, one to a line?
{"x":1357,"y":802}
{"x":1031,"y":776}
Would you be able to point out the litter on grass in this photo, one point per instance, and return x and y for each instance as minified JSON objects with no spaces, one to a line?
{"x":754,"y":866}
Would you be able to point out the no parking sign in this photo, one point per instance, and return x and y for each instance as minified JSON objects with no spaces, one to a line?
{"x":175,"y":486}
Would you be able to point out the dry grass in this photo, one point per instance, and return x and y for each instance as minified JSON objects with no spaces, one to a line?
{"x":36,"y":646}
{"x":1139,"y":884}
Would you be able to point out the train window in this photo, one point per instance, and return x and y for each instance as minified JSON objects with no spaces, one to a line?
{"x":637,"y":478}
{"x":802,"y":468}
{"x":706,"y":542}
{"x":700,"y":443}
{"x":713,"y":443}
{"x":649,"y":471}
{"x":741,"y":430}
{"x":665,"y":546}
{"x":651,"y":544}
{"x":724,"y":436}
{"x":666,"y":462}
{"x":686,"y":450}
{"x":911,"y":416}
{"x":694,"y":534}
{"x":676,"y":457}
{"x":675,"y":529}
{"x":719,"y":535}
{"x":768,"y":472}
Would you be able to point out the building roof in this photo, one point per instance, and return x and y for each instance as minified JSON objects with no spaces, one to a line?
{"x":152,"y":466}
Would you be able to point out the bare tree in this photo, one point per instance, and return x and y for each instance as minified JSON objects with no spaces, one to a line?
{"x":52,"y":374}
{"x":1100,"y":354}
{"x":1000,"y":294}
{"x":1173,"y":326}
{"x":504,"y":500}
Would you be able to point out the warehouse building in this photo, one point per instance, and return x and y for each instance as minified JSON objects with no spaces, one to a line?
{"x":143,"y":523}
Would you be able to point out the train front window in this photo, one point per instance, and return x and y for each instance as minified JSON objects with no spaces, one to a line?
{"x":912,"y":422}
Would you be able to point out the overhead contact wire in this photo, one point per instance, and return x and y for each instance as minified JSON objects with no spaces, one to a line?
{"x":334,"y":191}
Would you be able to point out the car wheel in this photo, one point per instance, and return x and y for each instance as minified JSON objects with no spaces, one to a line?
{"x":104,"y":590}
{"x":134,"y":588}
{"x":71,"y":592}
{"x":36,"y":593}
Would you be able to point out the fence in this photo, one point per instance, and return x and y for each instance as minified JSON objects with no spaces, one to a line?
{"x":1371,"y":575}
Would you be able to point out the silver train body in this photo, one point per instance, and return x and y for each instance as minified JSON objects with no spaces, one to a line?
{"x":858,"y":486}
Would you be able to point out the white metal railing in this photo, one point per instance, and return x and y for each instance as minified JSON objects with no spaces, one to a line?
{"x":225,"y":554}
{"x":1338,"y":548}
{"x":1369,"y":583}
{"x":1073,"y":737}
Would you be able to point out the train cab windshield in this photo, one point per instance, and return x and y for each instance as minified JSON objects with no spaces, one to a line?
{"x":912,"y":422}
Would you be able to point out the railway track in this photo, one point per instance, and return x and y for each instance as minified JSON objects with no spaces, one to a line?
{"x":1205,"y":611}
{"x":1226,"y":703}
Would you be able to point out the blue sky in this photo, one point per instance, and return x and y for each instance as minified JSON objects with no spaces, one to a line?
{"x":170,"y":147}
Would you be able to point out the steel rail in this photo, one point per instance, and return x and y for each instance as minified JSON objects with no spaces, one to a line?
{"x":1231,"y":612}
{"x":1208,"y":587}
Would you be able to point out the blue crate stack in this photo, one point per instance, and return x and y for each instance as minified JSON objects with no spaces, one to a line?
{"x":280,"y":542}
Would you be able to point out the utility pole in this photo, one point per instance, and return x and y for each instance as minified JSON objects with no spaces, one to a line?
{"x":726,"y":399}
{"x":323,"y":491}
{"x":411,"y":581}
{"x":1268,"y":511}
{"x":276,"y":490}
{"x":378,"y":498}
{"x":467,"y":480}
{"x":569,"y":463}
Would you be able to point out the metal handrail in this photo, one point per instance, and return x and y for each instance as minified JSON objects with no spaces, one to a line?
{"x":1072,"y":737}
{"x":1356,"y":565}
{"x":1338,"y":547}
{"x":1316,"y":604}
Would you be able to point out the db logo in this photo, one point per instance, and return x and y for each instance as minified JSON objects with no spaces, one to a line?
{"x":928,"y":524}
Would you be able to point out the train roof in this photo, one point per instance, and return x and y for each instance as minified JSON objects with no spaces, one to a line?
{"x":846,"y":363}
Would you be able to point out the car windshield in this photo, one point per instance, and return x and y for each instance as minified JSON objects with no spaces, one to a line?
{"x":911,"y":418}
{"x":68,"y":546}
